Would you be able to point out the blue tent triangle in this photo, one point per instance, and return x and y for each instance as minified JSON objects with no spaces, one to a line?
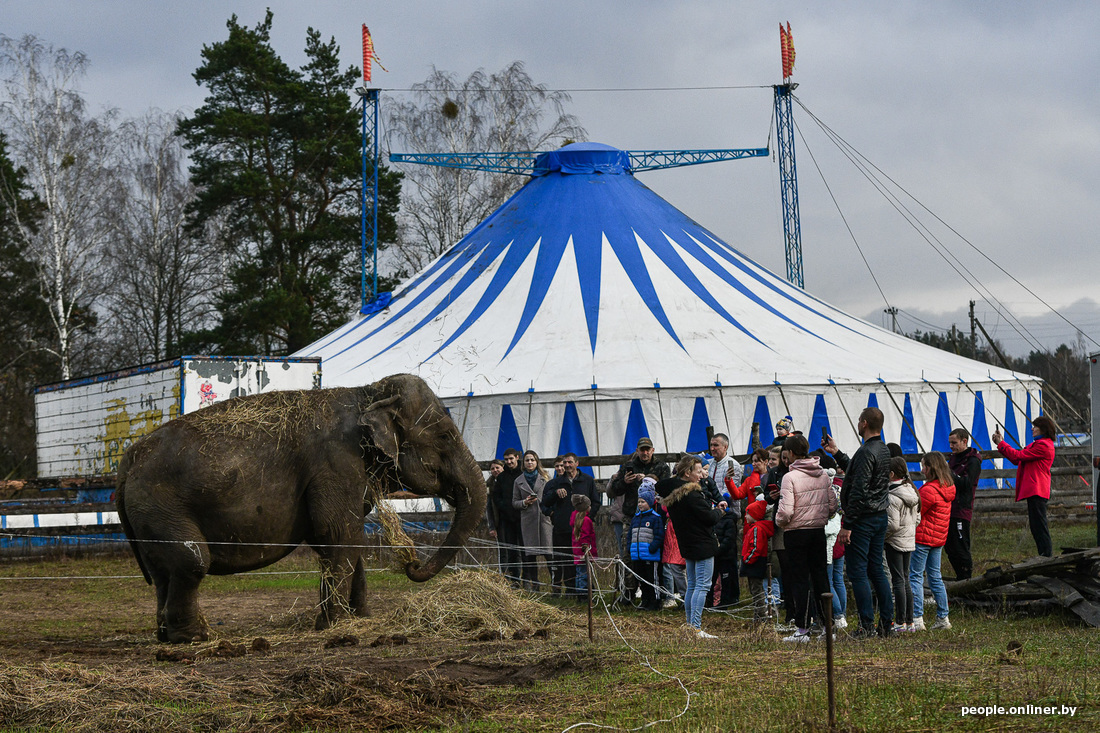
{"x":762,"y":418}
{"x":872,"y":401}
{"x":908,"y":441}
{"x":1012,"y":432}
{"x":1027,"y":413}
{"x":697,"y":434}
{"x":508,"y":434}
{"x":979,"y":433}
{"x":572,"y":437}
{"x":942,"y":430}
{"x":635,"y":428}
{"x":817,"y":422}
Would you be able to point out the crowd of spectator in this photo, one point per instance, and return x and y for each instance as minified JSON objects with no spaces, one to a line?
{"x":794,"y":523}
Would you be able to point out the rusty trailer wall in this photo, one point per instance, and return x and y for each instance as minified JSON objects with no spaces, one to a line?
{"x":85,"y":425}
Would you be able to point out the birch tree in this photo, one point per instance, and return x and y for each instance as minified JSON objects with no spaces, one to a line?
{"x":163,"y":274}
{"x":505,"y":112}
{"x":66,"y":156}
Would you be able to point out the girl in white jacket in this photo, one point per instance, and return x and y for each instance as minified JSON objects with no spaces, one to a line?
{"x":901,"y":540}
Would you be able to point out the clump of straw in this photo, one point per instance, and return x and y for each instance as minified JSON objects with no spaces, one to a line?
{"x":472,"y":600}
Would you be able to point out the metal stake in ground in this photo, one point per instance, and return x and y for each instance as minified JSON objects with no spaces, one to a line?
{"x":827,"y":612}
{"x":588,"y":566}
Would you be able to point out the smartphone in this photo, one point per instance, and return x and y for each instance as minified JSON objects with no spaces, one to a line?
{"x":824,"y":433}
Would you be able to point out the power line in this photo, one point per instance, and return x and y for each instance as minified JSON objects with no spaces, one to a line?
{"x":842,"y":217}
{"x":864,"y":166}
{"x":1008,"y":315}
{"x":581,"y":90}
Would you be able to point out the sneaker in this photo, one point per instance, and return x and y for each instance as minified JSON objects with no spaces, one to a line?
{"x":897,"y":628}
{"x":800,"y":636}
{"x":918,"y":624}
{"x":929,"y":601}
{"x":669,"y":603}
{"x":700,"y":634}
{"x":839,"y":622}
{"x":677,"y":597}
{"x":941,"y":623}
{"x":860,"y":632}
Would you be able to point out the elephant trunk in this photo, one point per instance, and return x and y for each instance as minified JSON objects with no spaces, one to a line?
{"x":469,"y":508}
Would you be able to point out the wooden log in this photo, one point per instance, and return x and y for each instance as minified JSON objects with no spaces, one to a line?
{"x":1070,"y":598}
{"x":1034,"y":566}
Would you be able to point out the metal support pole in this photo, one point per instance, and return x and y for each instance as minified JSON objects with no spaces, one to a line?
{"x":368,"y":216}
{"x":588,"y":566}
{"x":827,"y":612}
{"x":788,"y":182}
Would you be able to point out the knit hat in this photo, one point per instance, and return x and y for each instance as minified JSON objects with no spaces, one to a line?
{"x":581,"y":502}
{"x":786,"y":423}
{"x":756,"y":510}
{"x":647,"y":494}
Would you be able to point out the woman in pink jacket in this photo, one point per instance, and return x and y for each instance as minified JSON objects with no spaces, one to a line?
{"x":806,"y":500}
{"x":935,"y":518}
{"x":1033,"y":477}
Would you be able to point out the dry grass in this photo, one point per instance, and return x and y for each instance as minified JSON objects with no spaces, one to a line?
{"x":472,"y":601}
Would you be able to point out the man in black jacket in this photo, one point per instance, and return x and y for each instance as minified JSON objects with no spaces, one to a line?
{"x":966,"y":464}
{"x":864,"y":498}
{"x":557,"y":503}
{"x":508,"y":536}
{"x":625,"y":483}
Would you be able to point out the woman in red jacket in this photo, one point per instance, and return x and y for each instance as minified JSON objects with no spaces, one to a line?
{"x":935,"y":518}
{"x":1033,"y":477}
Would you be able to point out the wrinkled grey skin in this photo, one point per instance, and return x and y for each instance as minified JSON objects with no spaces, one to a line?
{"x":219,"y":476}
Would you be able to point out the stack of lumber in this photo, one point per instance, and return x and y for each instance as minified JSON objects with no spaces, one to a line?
{"x":1040,"y":585}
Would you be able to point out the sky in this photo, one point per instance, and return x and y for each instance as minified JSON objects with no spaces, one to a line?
{"x":982,"y":112}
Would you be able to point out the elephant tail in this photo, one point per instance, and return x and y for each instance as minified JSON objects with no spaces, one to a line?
{"x":120,"y":505}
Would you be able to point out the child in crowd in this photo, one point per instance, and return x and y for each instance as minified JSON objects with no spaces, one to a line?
{"x":901,"y":540}
{"x":723,"y":587}
{"x":673,"y":567}
{"x":836,"y":574}
{"x":647,"y":534}
{"x":584,"y":538}
{"x":754,"y":556}
{"x":935,"y":519}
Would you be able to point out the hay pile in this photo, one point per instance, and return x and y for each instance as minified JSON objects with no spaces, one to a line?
{"x":470,"y":601}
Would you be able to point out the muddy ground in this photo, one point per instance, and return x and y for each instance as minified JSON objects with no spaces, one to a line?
{"x":79,"y":654}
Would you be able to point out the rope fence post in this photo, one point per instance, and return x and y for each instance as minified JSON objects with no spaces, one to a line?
{"x":827,"y":606}
{"x":591,"y":578}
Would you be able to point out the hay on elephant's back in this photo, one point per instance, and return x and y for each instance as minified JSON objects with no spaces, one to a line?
{"x":472,"y":600}
{"x":277,"y":414}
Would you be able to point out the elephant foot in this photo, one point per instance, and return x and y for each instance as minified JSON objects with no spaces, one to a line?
{"x":322,"y":622}
{"x":180,"y":636}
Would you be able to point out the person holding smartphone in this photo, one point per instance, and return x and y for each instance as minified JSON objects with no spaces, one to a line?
{"x":625,"y":483}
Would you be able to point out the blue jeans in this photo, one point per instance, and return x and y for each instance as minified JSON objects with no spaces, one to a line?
{"x":582,"y":579}
{"x":924,"y":559}
{"x":866,"y":572}
{"x":699,"y":573}
{"x":840,"y":591}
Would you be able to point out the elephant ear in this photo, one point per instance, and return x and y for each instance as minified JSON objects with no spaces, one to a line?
{"x":380,"y":424}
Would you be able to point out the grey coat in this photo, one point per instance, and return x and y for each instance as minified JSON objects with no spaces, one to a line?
{"x":903,"y":516}
{"x":535,"y":527}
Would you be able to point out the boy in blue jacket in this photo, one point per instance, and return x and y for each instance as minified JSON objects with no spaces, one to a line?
{"x":647,"y":534}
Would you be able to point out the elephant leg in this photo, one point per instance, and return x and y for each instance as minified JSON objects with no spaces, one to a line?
{"x":339,"y":544}
{"x":177,"y":570}
{"x":183,"y":619}
{"x":160,"y":581}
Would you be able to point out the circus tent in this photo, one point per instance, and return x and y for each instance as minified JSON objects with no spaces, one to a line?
{"x":587,"y":311}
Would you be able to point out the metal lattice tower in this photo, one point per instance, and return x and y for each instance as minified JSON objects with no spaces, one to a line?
{"x":788,"y":182}
{"x":369,"y":206}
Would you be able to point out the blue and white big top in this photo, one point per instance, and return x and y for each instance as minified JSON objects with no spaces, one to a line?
{"x":587,"y":312}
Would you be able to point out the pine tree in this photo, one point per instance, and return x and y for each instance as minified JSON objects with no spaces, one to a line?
{"x":276,"y":161}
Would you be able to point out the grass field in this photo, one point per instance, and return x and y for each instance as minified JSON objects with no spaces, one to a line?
{"x":77,"y":653}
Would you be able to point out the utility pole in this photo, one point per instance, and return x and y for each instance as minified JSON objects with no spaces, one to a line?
{"x":973,"y":335}
{"x":892,"y":311}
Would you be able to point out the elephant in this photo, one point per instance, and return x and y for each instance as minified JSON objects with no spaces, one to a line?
{"x":240,"y":484}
